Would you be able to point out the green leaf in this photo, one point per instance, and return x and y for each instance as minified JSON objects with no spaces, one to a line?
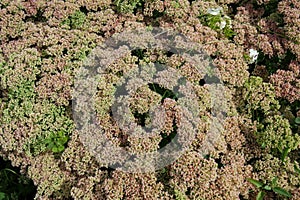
{"x":257,"y":183}
{"x":61,"y":148}
{"x":285,"y":153}
{"x":266,"y":187}
{"x":2,"y":196}
{"x":282,"y":192}
{"x":260,"y":195}
{"x":58,"y":148}
{"x":64,"y":139}
{"x":296,"y":168}
{"x":50,"y":145}
{"x":274,"y":181}
{"x":297,"y":120}
{"x":55,"y":150}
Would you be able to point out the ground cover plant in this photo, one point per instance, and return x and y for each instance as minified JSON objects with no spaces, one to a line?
{"x":254,"y":45}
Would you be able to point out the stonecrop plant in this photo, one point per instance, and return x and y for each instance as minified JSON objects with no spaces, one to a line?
{"x":246,"y":143}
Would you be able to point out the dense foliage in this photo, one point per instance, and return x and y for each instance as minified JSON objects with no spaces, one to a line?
{"x":255,"y":45}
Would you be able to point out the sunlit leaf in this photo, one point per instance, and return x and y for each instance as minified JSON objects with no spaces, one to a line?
{"x":257,"y":183}
{"x":260,"y":195}
{"x":282,"y":192}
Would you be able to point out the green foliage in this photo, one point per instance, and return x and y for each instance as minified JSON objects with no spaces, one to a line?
{"x":265,"y":187}
{"x":297,"y":120}
{"x":14,"y":186}
{"x":179,"y":195}
{"x":270,"y":7}
{"x":175,"y":4}
{"x":24,"y":89}
{"x":56,"y":142}
{"x":76,"y":20}
{"x":296,"y":168}
{"x":127,"y":6}
{"x":282,"y":192}
{"x":20,"y":102}
{"x":256,"y":183}
{"x":219,"y":23}
{"x":165,"y":93}
{"x":273,"y":130}
{"x":275,"y":133}
{"x":55,"y":127}
{"x":275,"y":62}
{"x":3,"y":196}
{"x":260,"y":99}
{"x":260,"y":195}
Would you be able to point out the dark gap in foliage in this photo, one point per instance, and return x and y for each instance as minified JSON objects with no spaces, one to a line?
{"x":10,"y":38}
{"x":167,"y":138}
{"x":109,"y":170}
{"x":157,"y":14}
{"x":219,"y":162}
{"x":270,"y":7}
{"x":258,"y":115}
{"x":232,"y":9}
{"x":163,"y":176}
{"x":165,"y":93}
{"x":274,"y":63}
{"x":69,"y":109}
{"x":169,"y":54}
{"x":65,"y":51}
{"x":207,"y":156}
{"x":13,"y":184}
{"x":153,"y":23}
{"x":140,"y":53}
{"x":141,"y":118}
{"x":140,"y":7}
{"x":120,"y":74}
{"x":84,"y":10}
{"x":241,"y":197}
{"x":252,"y":161}
{"x":295,"y":106}
{"x":201,"y":82}
{"x":191,"y":1}
{"x":36,"y":18}
{"x":188,"y":191}
{"x":251,"y":68}
{"x":3,"y":94}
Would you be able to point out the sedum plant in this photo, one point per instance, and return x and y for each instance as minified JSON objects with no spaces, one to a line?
{"x":127,"y":6}
{"x":76,"y":20}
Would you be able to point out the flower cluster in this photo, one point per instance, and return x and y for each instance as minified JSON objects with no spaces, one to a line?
{"x":247,"y":129}
{"x":287,"y":82}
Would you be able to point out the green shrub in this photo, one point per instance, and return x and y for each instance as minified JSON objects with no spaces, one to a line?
{"x":76,"y":20}
{"x":217,"y":21}
{"x":13,"y":185}
{"x":127,"y":6}
{"x":263,"y":188}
